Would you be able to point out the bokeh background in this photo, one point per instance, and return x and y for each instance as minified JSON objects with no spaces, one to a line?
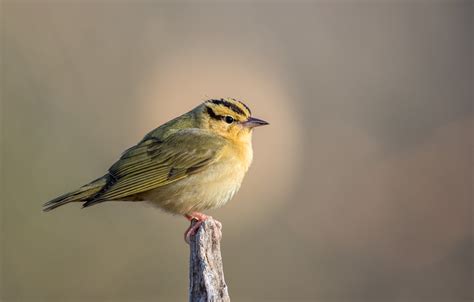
{"x":361,"y":187}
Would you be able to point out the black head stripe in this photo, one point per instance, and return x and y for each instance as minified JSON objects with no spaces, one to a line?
{"x":247,"y":107}
{"x":212,"y":114}
{"x":229,"y":105}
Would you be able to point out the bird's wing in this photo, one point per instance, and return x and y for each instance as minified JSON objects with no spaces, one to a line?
{"x":154,"y":163}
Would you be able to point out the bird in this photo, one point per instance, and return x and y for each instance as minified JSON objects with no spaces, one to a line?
{"x":192,"y":163}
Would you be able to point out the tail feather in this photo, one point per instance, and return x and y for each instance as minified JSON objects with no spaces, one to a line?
{"x":84,"y":193}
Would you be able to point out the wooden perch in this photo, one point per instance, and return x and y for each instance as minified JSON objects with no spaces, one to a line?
{"x":206,"y":274}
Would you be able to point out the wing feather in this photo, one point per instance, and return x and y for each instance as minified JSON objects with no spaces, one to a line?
{"x":154,"y":163}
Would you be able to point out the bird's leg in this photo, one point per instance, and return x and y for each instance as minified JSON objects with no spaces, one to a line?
{"x":191,"y":231}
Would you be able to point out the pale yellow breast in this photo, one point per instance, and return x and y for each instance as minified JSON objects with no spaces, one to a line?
{"x":210,"y":188}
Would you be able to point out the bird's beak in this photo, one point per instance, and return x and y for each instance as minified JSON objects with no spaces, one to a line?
{"x":254,"y":122}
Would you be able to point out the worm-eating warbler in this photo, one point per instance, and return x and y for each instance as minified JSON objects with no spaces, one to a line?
{"x":192,"y":163}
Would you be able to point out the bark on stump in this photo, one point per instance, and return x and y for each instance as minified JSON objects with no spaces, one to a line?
{"x":206,"y":274}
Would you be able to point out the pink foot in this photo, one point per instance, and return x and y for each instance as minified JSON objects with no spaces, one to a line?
{"x":191,"y":231}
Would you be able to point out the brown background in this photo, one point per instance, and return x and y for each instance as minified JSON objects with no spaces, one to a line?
{"x":361,"y":187}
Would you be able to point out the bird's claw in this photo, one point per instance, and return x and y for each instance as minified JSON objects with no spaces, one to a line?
{"x":199,"y":218}
{"x":191,"y":231}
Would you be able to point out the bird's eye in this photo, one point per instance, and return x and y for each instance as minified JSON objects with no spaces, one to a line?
{"x":229,"y":119}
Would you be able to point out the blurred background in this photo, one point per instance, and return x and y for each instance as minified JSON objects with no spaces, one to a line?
{"x":361,"y":187}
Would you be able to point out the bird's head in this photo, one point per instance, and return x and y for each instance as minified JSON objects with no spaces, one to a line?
{"x":229,"y":118}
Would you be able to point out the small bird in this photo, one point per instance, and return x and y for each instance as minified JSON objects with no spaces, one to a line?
{"x":192,"y":163}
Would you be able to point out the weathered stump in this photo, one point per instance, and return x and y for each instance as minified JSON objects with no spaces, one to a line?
{"x":206,"y":273}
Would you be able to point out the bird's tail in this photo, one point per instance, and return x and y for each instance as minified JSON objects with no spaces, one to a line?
{"x":84,"y":193}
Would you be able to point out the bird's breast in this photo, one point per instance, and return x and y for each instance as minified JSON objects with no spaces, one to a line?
{"x":209,"y":188}
{"x":242,"y":151}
